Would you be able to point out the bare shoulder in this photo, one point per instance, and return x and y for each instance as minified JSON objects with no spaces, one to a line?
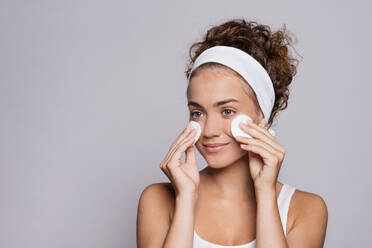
{"x":161,"y":194}
{"x":153,"y":219}
{"x":161,"y":187}
{"x":310,"y":217}
{"x":306,"y":203}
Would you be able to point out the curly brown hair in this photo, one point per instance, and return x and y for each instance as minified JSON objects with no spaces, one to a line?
{"x":269,"y":48}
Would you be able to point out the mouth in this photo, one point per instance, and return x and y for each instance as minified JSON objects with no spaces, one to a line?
{"x":215,"y":148}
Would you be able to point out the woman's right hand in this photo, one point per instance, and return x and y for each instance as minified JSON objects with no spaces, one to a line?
{"x":184,"y":176}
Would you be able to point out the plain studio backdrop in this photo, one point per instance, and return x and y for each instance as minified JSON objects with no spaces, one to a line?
{"x":93,"y":93}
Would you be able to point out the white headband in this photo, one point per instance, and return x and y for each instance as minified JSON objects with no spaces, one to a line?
{"x":248,"y":67}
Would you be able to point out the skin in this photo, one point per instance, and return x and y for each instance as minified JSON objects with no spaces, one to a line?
{"x":237,"y":194}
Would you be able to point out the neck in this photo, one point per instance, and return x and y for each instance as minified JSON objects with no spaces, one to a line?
{"x":233,"y":182}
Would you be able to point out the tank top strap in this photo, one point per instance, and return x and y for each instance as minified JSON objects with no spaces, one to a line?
{"x":284,"y":200}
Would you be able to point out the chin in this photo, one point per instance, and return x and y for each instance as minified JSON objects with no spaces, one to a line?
{"x":222,"y":158}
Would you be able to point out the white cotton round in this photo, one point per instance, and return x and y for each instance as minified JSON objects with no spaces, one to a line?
{"x":196,"y":125}
{"x":235,"y":129}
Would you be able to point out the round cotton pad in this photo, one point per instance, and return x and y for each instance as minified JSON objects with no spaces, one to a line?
{"x":196,"y":125}
{"x":235,"y":129}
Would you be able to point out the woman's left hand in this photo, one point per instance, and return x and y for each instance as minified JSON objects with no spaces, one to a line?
{"x":265,"y":156}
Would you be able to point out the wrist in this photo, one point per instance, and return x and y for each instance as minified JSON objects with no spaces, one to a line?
{"x":187,"y":197}
{"x":266,"y":193}
{"x":264,"y":188}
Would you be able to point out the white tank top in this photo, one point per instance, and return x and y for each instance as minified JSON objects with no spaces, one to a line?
{"x":284,"y":199}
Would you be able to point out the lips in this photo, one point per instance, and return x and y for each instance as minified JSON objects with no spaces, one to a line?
{"x":215,"y":144}
{"x":215,"y":147}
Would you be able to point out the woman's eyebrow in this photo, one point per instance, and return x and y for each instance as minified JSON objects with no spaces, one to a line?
{"x":223,"y":102}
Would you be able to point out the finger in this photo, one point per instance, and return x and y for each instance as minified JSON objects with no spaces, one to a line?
{"x":179,"y":140}
{"x":190,"y":155}
{"x":261,"y":134}
{"x":190,"y":135}
{"x":165,"y":170}
{"x":184,"y":133}
{"x":260,"y":143}
{"x":181,"y":148}
{"x":188,"y":138}
{"x":267,"y":156}
{"x":170,"y":154}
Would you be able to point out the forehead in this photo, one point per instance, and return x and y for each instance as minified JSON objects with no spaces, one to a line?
{"x":214,"y":84}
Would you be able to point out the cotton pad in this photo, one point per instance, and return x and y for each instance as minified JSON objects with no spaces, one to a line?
{"x":196,"y":125}
{"x":237,"y":131}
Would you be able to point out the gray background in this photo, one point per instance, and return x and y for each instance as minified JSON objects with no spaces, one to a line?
{"x":92,"y":94}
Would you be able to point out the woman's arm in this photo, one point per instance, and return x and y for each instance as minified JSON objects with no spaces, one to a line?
{"x":308,"y":231}
{"x":269,"y":230}
{"x":181,"y":231}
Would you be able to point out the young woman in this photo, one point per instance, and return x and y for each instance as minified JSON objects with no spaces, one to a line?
{"x":236,"y":201}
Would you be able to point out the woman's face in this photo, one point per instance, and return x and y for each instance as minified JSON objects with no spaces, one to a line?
{"x":208,"y":95}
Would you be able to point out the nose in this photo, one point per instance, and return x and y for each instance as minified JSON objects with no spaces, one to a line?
{"x":213,"y":127}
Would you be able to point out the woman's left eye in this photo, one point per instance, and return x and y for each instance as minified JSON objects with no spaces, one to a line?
{"x":228,"y":110}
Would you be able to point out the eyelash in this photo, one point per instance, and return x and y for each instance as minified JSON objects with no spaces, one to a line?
{"x":192,"y":113}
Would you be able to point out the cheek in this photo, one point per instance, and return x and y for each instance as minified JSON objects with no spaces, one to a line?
{"x":227,"y":129}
